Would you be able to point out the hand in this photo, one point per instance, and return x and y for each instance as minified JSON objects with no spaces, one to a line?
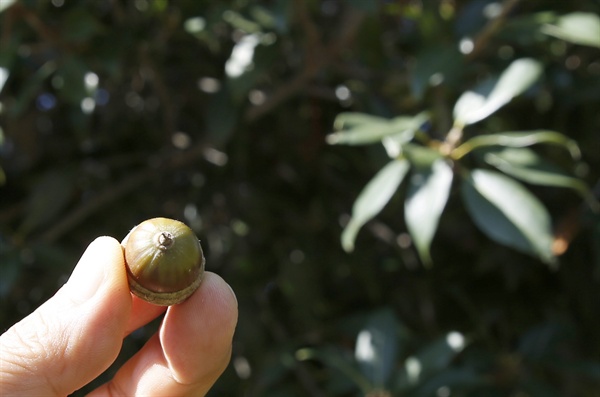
{"x":77,"y":334}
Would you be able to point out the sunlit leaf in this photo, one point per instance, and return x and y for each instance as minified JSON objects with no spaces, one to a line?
{"x":346,"y":120}
{"x":360,"y":129}
{"x":377,"y":347}
{"x":373,"y":198}
{"x":528,"y":166}
{"x":4,"y":73}
{"x":577,"y":27}
{"x":518,"y":139}
{"x":516,"y":79}
{"x":427,"y":195}
{"x":5,"y":4}
{"x":507,"y":213}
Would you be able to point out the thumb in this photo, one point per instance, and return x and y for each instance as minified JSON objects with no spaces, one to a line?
{"x":74,"y":336}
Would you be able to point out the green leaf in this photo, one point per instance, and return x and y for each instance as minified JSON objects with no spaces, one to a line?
{"x":518,"y":139}
{"x":361,"y":129}
{"x":5,"y":4}
{"x":507,"y":213}
{"x":472,"y":107}
{"x":377,"y":347}
{"x":577,"y":27}
{"x":352,"y":119}
{"x":435,"y":65}
{"x":427,"y":196}
{"x":374,"y":196}
{"x":334,"y":358}
{"x":434,"y":357}
{"x":526,"y":165}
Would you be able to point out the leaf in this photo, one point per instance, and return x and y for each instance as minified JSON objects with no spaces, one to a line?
{"x":455,"y":379}
{"x":5,"y":4}
{"x":360,"y":129}
{"x":335,"y":358}
{"x":526,"y":165}
{"x":508,"y":214}
{"x":518,"y":139}
{"x":374,"y":196}
{"x":516,"y":79}
{"x":434,"y":357}
{"x":427,"y":196}
{"x":577,"y":27}
{"x":377,"y":347}
{"x":438,"y":64}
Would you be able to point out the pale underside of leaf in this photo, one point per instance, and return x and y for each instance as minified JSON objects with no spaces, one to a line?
{"x":374,"y":196}
{"x":427,"y":197}
{"x":577,"y":27}
{"x":509,"y":214}
{"x":474,"y":106}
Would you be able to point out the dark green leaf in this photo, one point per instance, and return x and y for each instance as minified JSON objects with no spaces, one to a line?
{"x":377,"y":347}
{"x":507,"y":213}
{"x":526,"y":165}
{"x":336,"y":359}
{"x":434,"y":357}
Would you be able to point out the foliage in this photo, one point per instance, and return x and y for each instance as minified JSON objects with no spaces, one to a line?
{"x":462,"y":137}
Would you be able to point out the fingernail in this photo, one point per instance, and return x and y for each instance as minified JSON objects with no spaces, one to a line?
{"x":88,"y":275}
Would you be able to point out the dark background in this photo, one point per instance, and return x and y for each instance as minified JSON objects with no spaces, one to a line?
{"x":117,"y":111}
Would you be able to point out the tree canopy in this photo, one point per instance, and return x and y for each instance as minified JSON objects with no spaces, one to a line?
{"x":404,"y":195}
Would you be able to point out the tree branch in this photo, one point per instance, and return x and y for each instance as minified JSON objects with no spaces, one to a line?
{"x":317,"y":58}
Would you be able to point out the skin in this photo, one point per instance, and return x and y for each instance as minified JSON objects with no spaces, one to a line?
{"x":77,"y":334}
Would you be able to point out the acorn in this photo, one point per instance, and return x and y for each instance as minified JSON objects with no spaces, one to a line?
{"x":164,"y":261}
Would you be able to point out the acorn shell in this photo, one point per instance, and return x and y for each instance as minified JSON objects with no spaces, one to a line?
{"x":164,"y":261}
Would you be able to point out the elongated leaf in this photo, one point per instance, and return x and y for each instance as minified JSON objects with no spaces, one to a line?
{"x":577,"y":27}
{"x":427,"y":196}
{"x":363,"y":129}
{"x":377,"y":347}
{"x":518,"y":139}
{"x":334,"y":358}
{"x":348,"y":120}
{"x":516,"y":79}
{"x":526,"y":165}
{"x":507,"y":213}
{"x":373,"y":198}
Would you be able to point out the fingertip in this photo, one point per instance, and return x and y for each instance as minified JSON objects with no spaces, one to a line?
{"x":207,"y":320}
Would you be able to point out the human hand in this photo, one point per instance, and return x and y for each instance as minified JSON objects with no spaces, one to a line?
{"x":77,"y":334}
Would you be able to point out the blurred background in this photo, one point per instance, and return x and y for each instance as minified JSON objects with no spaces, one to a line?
{"x":217,"y":113}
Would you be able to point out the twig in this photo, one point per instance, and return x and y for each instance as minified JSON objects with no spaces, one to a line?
{"x":122,"y":188}
{"x":316,"y":62}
